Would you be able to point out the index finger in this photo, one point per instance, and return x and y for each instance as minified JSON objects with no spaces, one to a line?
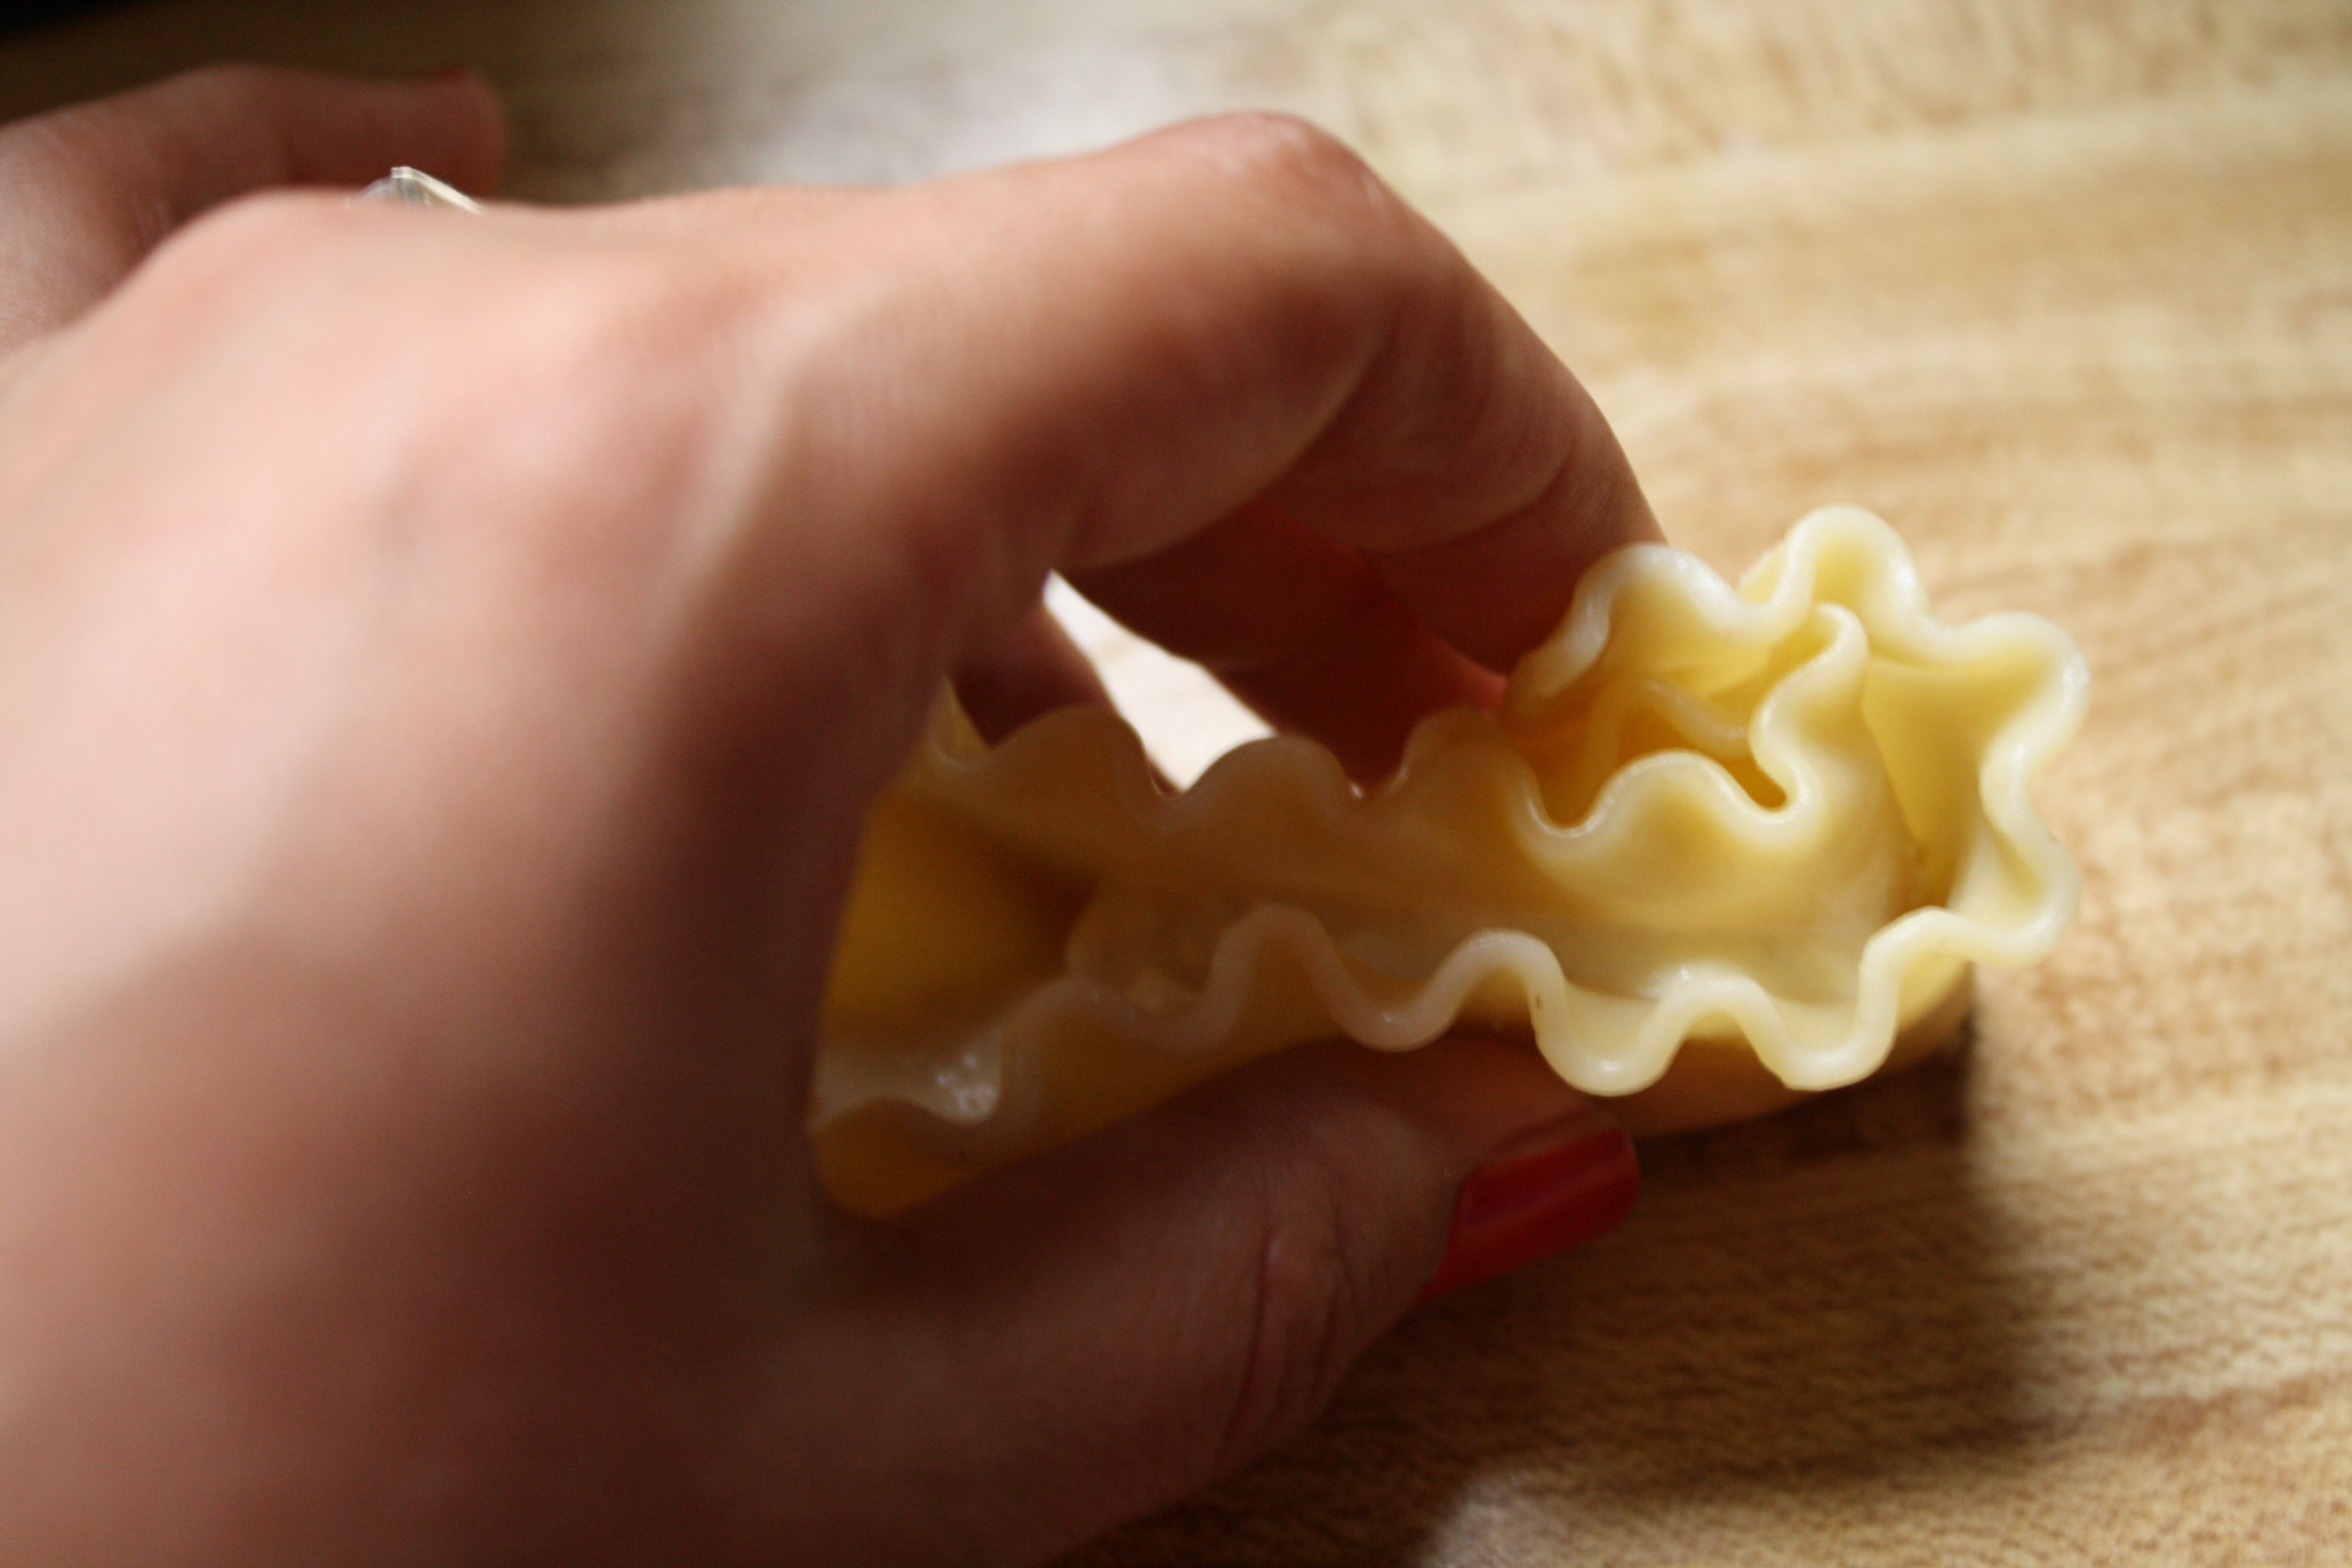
{"x":1081,"y":364}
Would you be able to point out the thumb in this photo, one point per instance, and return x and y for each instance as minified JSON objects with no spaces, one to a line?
{"x":94,"y":187}
{"x":1129,"y":1317}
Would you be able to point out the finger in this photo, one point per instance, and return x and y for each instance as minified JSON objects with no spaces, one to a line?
{"x":1037,"y":668}
{"x":1133,"y":1315}
{"x":1451,"y":583}
{"x":95,"y":186}
{"x":1301,"y":627}
{"x":1098,"y":357}
{"x":691,"y":217}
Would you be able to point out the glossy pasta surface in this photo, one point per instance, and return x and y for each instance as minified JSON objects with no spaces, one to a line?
{"x":1719,"y":846}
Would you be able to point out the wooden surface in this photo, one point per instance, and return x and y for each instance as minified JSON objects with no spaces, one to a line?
{"x":2065,"y":291}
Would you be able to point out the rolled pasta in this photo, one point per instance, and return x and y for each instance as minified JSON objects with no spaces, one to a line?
{"x":1719,"y":847}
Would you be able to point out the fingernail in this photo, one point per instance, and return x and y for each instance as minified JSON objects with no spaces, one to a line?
{"x":1555,"y":1189}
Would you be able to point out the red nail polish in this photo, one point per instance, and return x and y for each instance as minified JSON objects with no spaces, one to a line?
{"x":1531,"y":1201}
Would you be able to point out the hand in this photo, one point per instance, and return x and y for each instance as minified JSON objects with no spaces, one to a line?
{"x":442,"y":662}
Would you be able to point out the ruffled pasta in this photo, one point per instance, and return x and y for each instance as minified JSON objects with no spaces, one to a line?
{"x":1718,"y":847}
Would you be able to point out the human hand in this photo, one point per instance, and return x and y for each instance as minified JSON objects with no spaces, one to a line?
{"x":443,"y":665}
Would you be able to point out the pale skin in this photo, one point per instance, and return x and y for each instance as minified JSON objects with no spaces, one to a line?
{"x":443,"y":663}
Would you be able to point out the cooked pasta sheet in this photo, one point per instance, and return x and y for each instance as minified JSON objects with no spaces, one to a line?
{"x":1719,"y":847}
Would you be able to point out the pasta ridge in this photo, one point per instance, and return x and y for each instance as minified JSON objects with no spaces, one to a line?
{"x":1791,"y":813}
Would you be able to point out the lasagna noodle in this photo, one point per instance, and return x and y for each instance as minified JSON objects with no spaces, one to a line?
{"x":1719,"y":847}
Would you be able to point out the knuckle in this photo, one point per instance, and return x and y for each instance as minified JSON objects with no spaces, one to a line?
{"x":265,"y":227}
{"x":1276,"y":147}
{"x":242,"y":258}
{"x":1293,"y":161}
{"x":1336,"y":256}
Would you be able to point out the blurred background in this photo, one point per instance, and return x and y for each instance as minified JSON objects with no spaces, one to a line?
{"x":2064,"y":290}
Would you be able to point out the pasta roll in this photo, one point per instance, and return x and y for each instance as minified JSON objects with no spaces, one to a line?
{"x":1719,"y":847}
